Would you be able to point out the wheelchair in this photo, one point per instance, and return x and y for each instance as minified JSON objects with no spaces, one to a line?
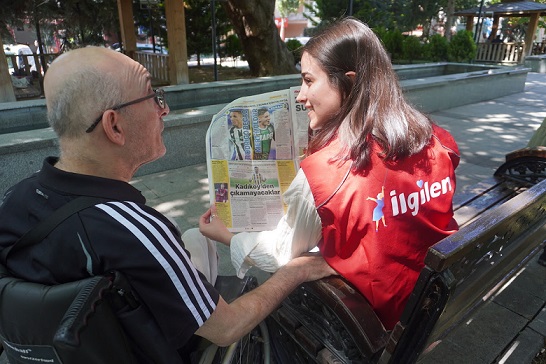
{"x":100,"y":320}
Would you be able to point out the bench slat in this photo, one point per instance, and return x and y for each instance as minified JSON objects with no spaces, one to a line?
{"x":472,"y":208}
{"x":475,"y":191}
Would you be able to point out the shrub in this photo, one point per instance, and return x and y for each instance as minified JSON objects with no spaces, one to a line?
{"x":412,"y":48}
{"x":462,"y":47}
{"x":436,"y":49}
{"x":294,"y":46}
{"x":231,"y":47}
{"x":393,"y":41}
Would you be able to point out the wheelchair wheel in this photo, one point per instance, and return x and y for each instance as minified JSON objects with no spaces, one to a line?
{"x":251,"y":348}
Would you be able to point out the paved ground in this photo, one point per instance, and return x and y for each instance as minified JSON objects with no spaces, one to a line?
{"x":486,"y":132}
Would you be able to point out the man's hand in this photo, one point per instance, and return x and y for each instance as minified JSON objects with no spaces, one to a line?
{"x":229,"y":322}
{"x":211,"y":226}
{"x":311,"y":264}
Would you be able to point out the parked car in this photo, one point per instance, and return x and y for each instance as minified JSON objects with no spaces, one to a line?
{"x":143,"y":47}
{"x":149,"y":48}
{"x":22,"y":51}
{"x":9,"y":50}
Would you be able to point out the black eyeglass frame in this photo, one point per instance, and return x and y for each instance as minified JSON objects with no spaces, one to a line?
{"x":159,"y":98}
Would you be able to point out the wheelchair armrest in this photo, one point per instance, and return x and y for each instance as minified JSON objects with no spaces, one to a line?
{"x":4,"y":272}
{"x":83,"y":305}
{"x":353,"y":310}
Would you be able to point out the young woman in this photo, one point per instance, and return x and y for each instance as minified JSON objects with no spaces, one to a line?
{"x":375,"y":190}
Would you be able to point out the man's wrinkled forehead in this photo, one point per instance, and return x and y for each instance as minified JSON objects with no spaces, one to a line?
{"x":112,"y":64}
{"x":137,"y":75}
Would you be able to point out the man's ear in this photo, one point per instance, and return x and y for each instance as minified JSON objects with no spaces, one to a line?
{"x":351,"y":75}
{"x":113,"y":128}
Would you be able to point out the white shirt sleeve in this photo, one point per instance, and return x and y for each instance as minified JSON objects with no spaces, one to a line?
{"x":297,"y":232}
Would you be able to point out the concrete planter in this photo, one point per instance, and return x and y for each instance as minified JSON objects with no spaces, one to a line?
{"x":430,"y":87}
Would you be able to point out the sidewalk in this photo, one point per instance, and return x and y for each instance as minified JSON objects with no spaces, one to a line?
{"x":486,"y":132}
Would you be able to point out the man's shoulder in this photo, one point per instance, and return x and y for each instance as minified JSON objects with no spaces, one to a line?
{"x":23,"y":189}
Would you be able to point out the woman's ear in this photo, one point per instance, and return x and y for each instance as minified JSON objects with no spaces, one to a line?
{"x":351,"y":75}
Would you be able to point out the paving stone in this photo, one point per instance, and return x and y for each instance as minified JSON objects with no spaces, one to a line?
{"x":524,"y":348}
{"x":484,"y":336}
{"x":522,"y":295}
{"x":446,"y":353}
{"x":539,"y":323}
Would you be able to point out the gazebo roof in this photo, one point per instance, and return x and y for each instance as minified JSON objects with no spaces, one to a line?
{"x":513,"y":8}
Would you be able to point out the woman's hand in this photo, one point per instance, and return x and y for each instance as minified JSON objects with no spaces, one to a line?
{"x":211,"y":226}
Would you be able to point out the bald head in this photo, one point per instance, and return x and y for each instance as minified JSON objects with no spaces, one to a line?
{"x":80,"y":84}
{"x":77,"y":62}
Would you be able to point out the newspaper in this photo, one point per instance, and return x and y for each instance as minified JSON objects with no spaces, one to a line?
{"x":254,"y":147}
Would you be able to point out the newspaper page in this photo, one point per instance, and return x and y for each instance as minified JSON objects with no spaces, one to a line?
{"x":254,"y":146}
{"x":300,"y":125}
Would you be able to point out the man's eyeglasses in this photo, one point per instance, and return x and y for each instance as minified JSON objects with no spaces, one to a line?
{"x":158,"y":95}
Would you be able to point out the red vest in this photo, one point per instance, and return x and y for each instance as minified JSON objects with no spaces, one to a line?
{"x":377,"y":226}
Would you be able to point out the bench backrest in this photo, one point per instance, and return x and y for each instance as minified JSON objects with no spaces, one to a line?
{"x":465,"y":268}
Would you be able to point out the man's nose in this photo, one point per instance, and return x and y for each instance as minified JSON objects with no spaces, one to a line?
{"x":166,"y":110}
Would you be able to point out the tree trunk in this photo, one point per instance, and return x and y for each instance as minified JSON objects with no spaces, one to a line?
{"x":254,"y":22}
{"x":450,"y":19}
{"x":6,"y":89}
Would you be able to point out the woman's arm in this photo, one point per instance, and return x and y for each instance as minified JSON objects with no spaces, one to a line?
{"x":298,"y":231}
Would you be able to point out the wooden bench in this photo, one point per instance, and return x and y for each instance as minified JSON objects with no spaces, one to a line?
{"x":503,"y":225}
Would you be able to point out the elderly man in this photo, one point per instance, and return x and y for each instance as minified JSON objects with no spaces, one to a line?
{"x":109,"y":122}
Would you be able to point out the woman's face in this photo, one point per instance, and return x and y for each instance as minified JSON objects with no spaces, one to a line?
{"x":320,"y":98}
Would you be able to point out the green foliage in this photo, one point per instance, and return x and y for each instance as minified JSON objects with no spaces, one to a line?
{"x":436,"y":49}
{"x":404,"y":15}
{"x":231,"y":47}
{"x":514,"y":29}
{"x":393,"y":41}
{"x":375,"y":13}
{"x":392,"y":14}
{"x":86,"y":21}
{"x":82,"y":21}
{"x":198,"y":16}
{"x":80,"y":18}
{"x":380,"y":32}
{"x":327,"y":11}
{"x":151,"y":22}
{"x":287,"y":7}
{"x":412,"y":48}
{"x":462,"y":47}
{"x":198,"y":27}
{"x":294,"y":46}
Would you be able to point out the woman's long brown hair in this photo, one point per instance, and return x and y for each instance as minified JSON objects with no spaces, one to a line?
{"x":373,"y":105}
